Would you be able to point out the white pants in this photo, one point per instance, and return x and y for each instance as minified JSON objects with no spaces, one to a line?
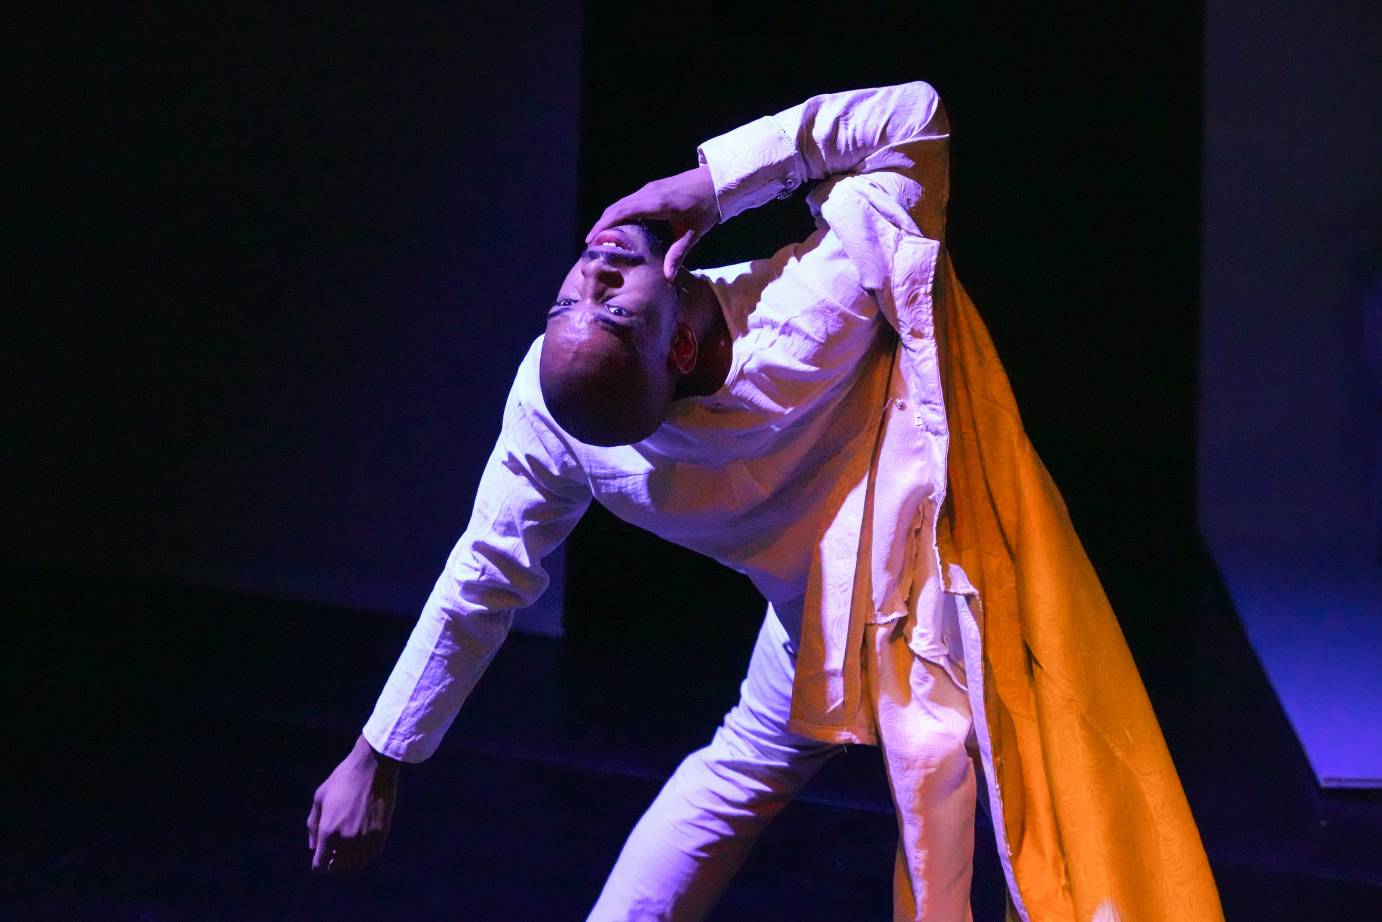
{"x":683,"y":852}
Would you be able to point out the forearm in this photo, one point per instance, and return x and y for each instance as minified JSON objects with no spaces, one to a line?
{"x":524,"y":508}
{"x":444,"y":658}
{"x":827,"y":135}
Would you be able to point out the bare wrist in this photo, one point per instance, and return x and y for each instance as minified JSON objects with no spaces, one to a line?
{"x":364,"y":753}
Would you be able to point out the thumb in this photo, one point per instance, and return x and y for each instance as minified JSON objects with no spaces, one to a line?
{"x":321,"y":855}
{"x":677,"y":252}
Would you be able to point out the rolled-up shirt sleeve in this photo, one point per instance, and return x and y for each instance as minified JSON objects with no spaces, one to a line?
{"x":883,"y":154}
{"x":531,"y":496}
{"x":857,"y":131}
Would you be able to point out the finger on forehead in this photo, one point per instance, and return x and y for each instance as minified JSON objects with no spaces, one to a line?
{"x":605,"y":223}
{"x":621,"y":212}
{"x":677,"y":253}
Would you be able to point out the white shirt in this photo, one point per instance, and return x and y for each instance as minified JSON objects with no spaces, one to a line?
{"x":774,"y":475}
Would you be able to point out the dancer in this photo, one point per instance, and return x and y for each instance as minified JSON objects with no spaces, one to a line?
{"x":833,"y":422}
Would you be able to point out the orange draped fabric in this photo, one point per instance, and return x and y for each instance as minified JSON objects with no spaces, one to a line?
{"x":1093,"y":808}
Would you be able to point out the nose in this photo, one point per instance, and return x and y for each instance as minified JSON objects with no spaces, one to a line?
{"x":598,"y":276}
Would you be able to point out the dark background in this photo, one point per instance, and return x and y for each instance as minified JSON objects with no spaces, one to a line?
{"x":274,"y":267}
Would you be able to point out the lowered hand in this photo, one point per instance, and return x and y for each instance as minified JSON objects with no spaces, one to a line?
{"x":351,"y":811}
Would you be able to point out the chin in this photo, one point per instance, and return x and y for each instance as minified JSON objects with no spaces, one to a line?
{"x":609,"y":432}
{"x":613,"y":439}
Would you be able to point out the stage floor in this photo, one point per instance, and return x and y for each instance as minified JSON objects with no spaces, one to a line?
{"x":165,"y":743}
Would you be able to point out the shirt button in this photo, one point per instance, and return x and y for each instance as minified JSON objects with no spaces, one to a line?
{"x":900,"y":404}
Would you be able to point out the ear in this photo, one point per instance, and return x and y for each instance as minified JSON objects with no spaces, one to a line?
{"x":684,"y":349}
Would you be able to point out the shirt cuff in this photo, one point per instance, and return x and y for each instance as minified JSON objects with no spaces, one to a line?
{"x":379,"y":731}
{"x":752,"y":165}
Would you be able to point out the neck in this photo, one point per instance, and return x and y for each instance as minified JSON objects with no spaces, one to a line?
{"x":713,"y":340}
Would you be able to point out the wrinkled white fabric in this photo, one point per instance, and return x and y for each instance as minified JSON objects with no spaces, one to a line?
{"x":769,"y":475}
{"x":692,"y":839}
{"x":684,"y":851}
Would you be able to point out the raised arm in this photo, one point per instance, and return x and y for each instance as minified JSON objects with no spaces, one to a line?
{"x":834,"y":134}
{"x":897,"y":130}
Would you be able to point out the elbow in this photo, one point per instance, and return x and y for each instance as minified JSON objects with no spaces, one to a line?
{"x":935,"y":122}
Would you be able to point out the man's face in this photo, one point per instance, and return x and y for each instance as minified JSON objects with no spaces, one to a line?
{"x":616,"y":289}
{"x":606,"y":372}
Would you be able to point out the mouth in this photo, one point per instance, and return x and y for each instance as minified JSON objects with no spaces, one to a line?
{"x":613,"y":239}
